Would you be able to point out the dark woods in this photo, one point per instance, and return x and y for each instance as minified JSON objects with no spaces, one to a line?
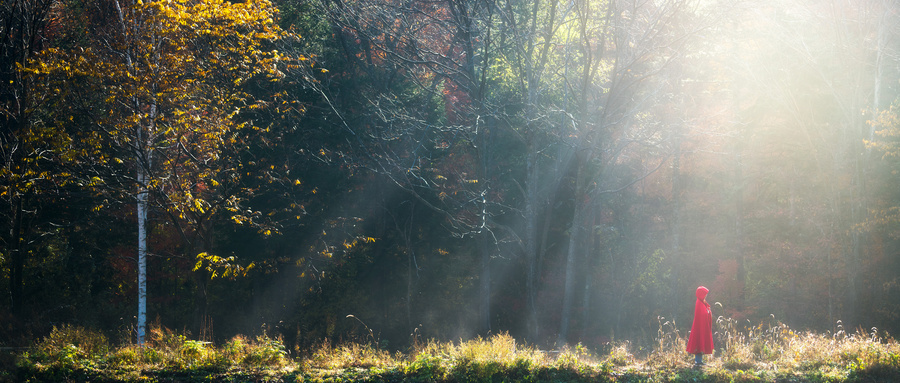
{"x":385,"y":171}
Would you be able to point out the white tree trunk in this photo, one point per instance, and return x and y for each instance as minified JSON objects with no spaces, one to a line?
{"x":143,"y":160}
{"x":142,"y":166}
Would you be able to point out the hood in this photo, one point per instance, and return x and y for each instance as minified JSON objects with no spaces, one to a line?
{"x":701,"y":292}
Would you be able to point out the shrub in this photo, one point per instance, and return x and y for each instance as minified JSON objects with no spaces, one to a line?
{"x":135,"y":357}
{"x":194,"y":353}
{"x":619,"y":355}
{"x":425,"y":367}
{"x":265,"y":352}
{"x":68,"y":347}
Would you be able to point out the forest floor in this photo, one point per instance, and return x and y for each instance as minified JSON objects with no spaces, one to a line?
{"x":770,"y":353}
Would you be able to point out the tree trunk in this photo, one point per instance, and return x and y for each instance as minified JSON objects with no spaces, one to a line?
{"x":531,"y":251}
{"x":581,"y":205}
{"x":589,"y":261}
{"x":739,"y":229}
{"x":485,"y":284}
{"x":569,"y":289}
{"x":142,"y":205}
{"x":143,"y":161}
{"x":17,"y":255}
{"x":676,"y":262}
{"x":412,"y":267}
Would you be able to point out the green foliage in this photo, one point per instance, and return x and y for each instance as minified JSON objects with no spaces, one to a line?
{"x":425,"y":366}
{"x":132,"y":356}
{"x":265,"y":352}
{"x":619,"y":355}
{"x":68,"y":348}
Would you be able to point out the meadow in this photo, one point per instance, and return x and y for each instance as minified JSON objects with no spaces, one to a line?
{"x":766,"y":352}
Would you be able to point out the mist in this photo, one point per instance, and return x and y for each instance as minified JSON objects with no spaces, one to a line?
{"x":564,"y":172}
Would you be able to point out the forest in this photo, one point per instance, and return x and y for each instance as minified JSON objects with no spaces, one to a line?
{"x":393,"y":171}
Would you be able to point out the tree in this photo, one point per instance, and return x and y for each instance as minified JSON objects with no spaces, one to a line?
{"x":422,"y":68}
{"x":31,"y":149}
{"x":621,"y":131}
{"x":171,"y":75}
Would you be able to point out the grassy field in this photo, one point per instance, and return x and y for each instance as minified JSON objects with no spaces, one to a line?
{"x":763,"y":353}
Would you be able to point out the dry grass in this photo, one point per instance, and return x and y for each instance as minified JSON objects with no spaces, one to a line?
{"x":666,"y":346}
{"x":773,"y":349}
{"x":498,"y":357}
{"x":71,"y":348}
{"x":764,"y":352}
{"x":351,"y":355}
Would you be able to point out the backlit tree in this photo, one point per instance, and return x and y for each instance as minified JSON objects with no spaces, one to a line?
{"x":171,"y":77}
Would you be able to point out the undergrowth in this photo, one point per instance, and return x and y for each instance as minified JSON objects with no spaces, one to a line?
{"x":763,"y":352}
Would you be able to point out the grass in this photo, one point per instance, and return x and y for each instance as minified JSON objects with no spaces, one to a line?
{"x":762,"y":353}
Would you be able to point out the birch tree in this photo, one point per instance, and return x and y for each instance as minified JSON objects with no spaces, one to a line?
{"x":172,"y":76}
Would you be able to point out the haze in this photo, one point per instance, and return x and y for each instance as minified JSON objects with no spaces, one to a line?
{"x":566,"y":172}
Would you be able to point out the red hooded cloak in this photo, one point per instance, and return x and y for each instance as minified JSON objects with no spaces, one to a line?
{"x":701,"y":341}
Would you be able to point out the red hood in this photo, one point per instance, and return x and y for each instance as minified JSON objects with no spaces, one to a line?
{"x":702,"y":292}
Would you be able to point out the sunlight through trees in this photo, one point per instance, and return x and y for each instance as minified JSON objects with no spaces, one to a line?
{"x":566,"y":172}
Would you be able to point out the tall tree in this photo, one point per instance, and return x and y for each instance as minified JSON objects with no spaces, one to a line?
{"x":422,"y":69}
{"x":171,"y":74}
{"x":29,"y":145}
{"x":624,"y":63}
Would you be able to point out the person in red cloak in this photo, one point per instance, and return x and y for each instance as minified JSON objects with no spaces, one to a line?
{"x":700,"y":340}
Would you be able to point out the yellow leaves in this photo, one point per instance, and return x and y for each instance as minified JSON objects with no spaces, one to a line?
{"x":886,"y":126}
{"x":879,"y":218}
{"x":169,"y":76}
{"x":356,"y":241}
{"x":198,"y":205}
{"x":220,"y":267}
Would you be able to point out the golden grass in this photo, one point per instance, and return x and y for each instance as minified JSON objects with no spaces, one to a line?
{"x":767,"y":351}
{"x":772,"y":348}
{"x":350,"y":355}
